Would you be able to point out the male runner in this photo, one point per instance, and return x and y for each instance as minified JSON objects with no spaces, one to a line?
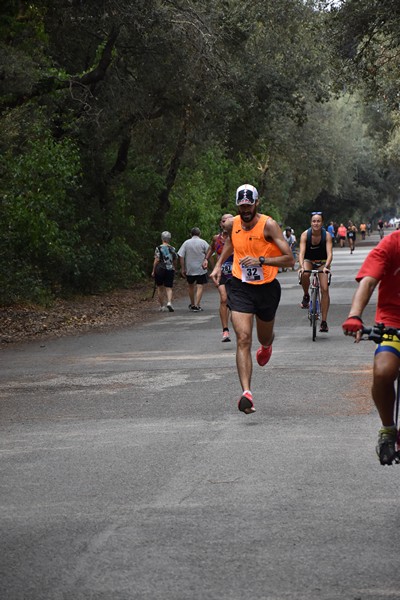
{"x":259,"y":249}
{"x":316,"y":253}
{"x":217,"y":245}
{"x":351,"y":236}
{"x":382,"y":266}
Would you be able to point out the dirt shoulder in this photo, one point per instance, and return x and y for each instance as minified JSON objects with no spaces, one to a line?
{"x":121,"y":308}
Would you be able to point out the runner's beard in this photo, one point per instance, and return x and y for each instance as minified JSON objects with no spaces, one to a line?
{"x":248,"y":216}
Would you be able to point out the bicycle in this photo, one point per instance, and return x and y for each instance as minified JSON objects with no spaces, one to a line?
{"x":376,"y":334}
{"x":315,"y":299}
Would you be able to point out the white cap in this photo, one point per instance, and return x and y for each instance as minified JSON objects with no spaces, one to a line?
{"x":246,"y":194}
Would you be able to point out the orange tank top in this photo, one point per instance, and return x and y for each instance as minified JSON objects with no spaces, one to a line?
{"x":253,"y":243}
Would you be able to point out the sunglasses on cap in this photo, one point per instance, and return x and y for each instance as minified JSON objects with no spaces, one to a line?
{"x":317,"y":213}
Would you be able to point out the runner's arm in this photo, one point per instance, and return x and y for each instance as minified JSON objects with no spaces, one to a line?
{"x":155,"y":263}
{"x":273,"y":233}
{"x":182,"y":263}
{"x":329,"y":256}
{"x":209,"y":252}
{"x":362,"y":295}
{"x":211,"y":248}
{"x":353,"y":324}
{"x":302,"y":251}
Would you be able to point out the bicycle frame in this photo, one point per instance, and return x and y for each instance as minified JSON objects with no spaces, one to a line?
{"x":315,"y":301}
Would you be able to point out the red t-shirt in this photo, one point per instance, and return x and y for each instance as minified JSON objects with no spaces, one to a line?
{"x":383,"y":264}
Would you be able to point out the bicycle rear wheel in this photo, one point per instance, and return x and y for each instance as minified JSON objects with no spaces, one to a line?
{"x":314,"y":313}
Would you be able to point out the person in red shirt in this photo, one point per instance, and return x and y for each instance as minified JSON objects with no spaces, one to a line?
{"x":381,"y":266}
{"x":342,"y":234}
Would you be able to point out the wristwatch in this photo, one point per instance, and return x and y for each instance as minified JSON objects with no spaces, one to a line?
{"x":262,"y":260}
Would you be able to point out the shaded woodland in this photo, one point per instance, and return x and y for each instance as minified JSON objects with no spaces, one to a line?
{"x":120,"y":119}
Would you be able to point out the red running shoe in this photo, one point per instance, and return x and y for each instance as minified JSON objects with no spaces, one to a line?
{"x":263,"y":355}
{"x":245,"y":403}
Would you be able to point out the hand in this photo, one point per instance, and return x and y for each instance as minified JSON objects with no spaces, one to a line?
{"x":250,"y":261}
{"x":352,"y":326}
{"x":216,"y":275}
{"x":326,"y":270}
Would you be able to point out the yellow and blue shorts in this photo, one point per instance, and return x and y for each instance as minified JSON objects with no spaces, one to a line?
{"x":390,"y":343}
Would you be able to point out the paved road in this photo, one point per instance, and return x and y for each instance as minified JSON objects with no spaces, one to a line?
{"x":128,"y":473}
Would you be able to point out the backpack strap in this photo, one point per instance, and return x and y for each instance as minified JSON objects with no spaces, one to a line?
{"x":323,"y":236}
{"x":161,"y":259}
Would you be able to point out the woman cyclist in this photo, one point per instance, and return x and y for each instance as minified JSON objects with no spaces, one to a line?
{"x":316,"y":253}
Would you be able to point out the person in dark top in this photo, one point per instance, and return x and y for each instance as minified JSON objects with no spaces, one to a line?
{"x":380,"y":228}
{"x":351,"y":236}
{"x":316,"y":253}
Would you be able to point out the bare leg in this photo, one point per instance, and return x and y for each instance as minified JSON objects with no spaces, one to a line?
{"x":325,"y":298}
{"x":265,"y":331}
{"x":386,"y":368}
{"x":169,"y":294}
{"x":191,"y":293}
{"x":223,"y":309}
{"x":199,"y":293}
{"x":243,"y":326}
{"x":160,"y":295}
{"x":305,"y":280}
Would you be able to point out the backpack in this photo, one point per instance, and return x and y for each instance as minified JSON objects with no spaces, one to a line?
{"x":162,"y":259}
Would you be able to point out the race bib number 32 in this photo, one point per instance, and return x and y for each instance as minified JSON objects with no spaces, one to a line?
{"x":252,"y":274}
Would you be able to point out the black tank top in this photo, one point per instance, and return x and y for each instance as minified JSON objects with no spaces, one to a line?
{"x":316,"y":253}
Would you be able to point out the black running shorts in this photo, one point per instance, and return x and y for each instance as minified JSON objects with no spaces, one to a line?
{"x":224,"y":279}
{"x":260,"y":300}
{"x":164,"y":277}
{"x":199,"y":279}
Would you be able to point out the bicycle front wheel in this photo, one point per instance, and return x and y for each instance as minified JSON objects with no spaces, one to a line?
{"x":314,"y":314}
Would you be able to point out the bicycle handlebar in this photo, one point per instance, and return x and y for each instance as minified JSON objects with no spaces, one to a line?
{"x":376,"y":332}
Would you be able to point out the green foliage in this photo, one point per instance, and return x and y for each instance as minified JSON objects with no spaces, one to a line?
{"x":105,"y":266}
{"x":22,"y":21}
{"x":204,"y":191}
{"x":179,"y":104}
{"x":135,"y":200}
{"x":37,"y":225}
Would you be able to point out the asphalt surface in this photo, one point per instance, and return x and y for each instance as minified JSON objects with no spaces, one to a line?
{"x":127,"y":471}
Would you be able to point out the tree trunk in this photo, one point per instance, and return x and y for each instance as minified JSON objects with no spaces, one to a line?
{"x":163,"y":198}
